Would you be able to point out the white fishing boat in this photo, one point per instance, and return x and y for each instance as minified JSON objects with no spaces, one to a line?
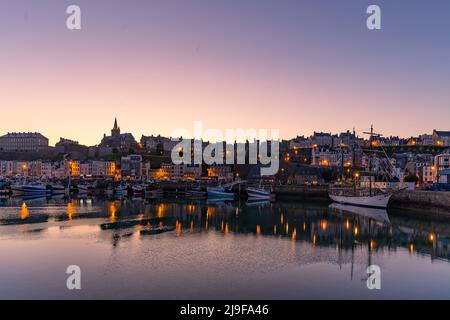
{"x":31,"y":188}
{"x":220,"y":192}
{"x":260,"y":193}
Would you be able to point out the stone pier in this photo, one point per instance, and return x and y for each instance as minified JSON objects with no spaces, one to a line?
{"x":417,"y":200}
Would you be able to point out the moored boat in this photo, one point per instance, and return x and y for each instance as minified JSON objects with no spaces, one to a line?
{"x":375,"y":198}
{"x":363,"y":190}
{"x":220,"y":192}
{"x":31,"y":188}
{"x":259,"y":193}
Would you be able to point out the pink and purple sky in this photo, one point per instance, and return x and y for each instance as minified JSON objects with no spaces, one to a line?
{"x":295,"y":65}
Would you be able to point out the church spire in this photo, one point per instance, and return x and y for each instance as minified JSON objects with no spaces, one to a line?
{"x":116,"y":130}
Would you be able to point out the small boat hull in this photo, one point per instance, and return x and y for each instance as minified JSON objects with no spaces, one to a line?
{"x":220,"y":193}
{"x":379,"y":201}
{"x":256,"y":193}
{"x":31,"y":189}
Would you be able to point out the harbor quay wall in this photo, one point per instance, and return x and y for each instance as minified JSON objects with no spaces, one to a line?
{"x":421,"y":202}
{"x":417,"y":200}
{"x":292,"y":191}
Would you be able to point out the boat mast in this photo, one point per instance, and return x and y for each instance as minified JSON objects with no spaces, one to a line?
{"x":371,"y":142}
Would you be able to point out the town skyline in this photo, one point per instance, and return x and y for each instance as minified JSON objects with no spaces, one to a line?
{"x":361,"y":133}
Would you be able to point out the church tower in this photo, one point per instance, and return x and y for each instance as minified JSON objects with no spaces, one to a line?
{"x":116,"y":130}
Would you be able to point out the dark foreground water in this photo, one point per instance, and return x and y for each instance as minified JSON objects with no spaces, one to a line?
{"x":283,"y":250}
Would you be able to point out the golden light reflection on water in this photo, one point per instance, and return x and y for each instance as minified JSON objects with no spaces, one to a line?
{"x":192,"y":226}
{"x":210,"y":211}
{"x":411,"y":247}
{"x":178,"y":228}
{"x":287,"y":227}
{"x":258,"y":229}
{"x":294,"y":234}
{"x":372,"y":244}
{"x":24,"y":213}
{"x":275,"y":229}
{"x":71,"y":210}
{"x":355,"y":231}
{"x":304,"y":226}
{"x":161,"y":210}
{"x":314,"y":240}
{"x":347,"y":224}
{"x":281,"y":219}
{"x":190,"y":208}
{"x":227,"y":229}
{"x":112,"y":209}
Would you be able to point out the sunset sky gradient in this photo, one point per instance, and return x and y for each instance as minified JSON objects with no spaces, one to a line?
{"x":293,"y":65}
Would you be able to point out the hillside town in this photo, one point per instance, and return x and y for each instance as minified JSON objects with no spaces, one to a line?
{"x":424,"y":160}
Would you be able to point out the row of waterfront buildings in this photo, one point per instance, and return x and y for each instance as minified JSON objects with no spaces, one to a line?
{"x":303,"y":158}
{"x":131,"y":167}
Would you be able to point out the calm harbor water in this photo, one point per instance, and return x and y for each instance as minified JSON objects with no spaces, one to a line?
{"x":241,"y":250}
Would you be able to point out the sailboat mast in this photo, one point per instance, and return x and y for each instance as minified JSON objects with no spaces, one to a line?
{"x":370,"y":160}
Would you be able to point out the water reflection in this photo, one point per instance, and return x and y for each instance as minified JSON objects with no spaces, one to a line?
{"x":24,"y":213}
{"x":336,"y":226}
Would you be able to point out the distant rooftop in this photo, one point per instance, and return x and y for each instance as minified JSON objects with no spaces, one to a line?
{"x":443,"y":133}
{"x":23,"y":135}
